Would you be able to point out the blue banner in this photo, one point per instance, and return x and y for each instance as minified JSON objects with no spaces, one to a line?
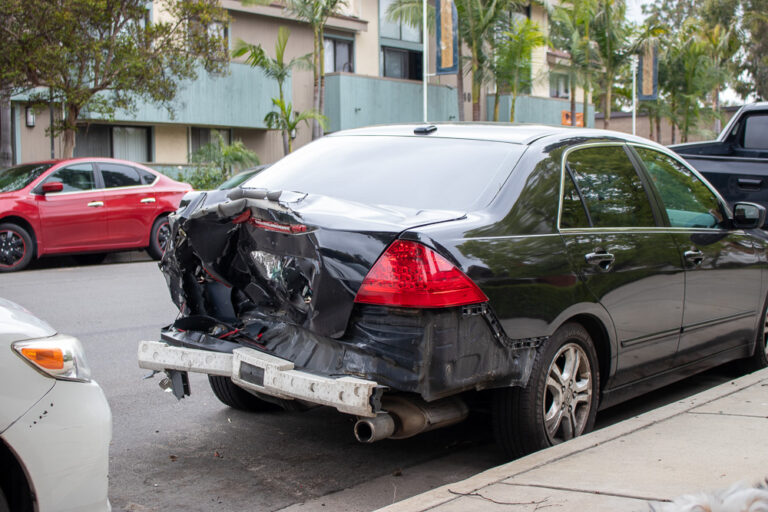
{"x":648,"y":75}
{"x":447,"y":37}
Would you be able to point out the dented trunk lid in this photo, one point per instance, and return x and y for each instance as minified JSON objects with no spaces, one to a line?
{"x":290,"y":257}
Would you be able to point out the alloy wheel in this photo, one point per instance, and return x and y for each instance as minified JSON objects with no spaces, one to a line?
{"x":12,"y":248}
{"x":163,"y":235}
{"x":567,"y":394}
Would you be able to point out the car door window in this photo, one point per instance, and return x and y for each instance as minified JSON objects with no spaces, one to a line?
{"x":116,"y":175}
{"x":74,"y":178}
{"x":688,"y":201}
{"x":612,"y":191}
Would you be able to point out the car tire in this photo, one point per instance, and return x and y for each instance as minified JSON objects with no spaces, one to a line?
{"x":158,"y":237}
{"x":236,"y":397}
{"x":541,"y":414}
{"x":3,"y":502}
{"x":17,"y":248}
{"x":759,"y":358}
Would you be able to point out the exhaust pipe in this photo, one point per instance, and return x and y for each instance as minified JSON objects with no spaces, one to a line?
{"x":408,"y":417}
{"x":369,"y":430}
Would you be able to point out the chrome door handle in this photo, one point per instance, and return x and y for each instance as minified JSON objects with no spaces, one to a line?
{"x":694,"y":256}
{"x":96,"y":204}
{"x":148,"y":200}
{"x":604,"y":260}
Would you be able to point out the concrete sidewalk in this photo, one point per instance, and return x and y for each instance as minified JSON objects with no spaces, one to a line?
{"x":703,"y":443}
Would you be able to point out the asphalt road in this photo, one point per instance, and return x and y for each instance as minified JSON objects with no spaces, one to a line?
{"x":199,"y":455}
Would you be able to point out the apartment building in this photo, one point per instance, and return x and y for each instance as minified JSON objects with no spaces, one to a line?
{"x":373,"y":72}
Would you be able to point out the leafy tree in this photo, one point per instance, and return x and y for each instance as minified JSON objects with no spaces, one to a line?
{"x":217,"y":161}
{"x":755,"y":61}
{"x":101,"y":55}
{"x":512,"y":66}
{"x":276,"y":68}
{"x":287,"y":120}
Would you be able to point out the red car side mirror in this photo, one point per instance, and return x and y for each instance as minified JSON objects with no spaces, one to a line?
{"x":52,"y":186}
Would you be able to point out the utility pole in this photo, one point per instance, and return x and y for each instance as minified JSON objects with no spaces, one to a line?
{"x":424,"y":55}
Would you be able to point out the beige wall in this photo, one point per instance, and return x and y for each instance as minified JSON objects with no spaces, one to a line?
{"x":171,"y":144}
{"x":367,"y":42}
{"x":268,"y":145}
{"x":35,"y":142}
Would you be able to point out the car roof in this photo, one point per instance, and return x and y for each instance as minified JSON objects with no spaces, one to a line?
{"x":498,"y":132}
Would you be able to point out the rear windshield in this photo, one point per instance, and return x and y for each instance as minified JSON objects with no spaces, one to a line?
{"x":416,"y":172}
{"x":16,"y":178}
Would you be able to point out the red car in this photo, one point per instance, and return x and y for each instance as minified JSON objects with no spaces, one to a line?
{"x":83,"y":206}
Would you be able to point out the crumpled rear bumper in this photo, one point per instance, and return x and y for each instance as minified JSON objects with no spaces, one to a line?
{"x":267,"y":374}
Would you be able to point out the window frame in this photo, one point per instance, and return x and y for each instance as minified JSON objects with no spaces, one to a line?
{"x":336,"y":40}
{"x":111,"y":132}
{"x":97,"y":183}
{"x":659,"y":215}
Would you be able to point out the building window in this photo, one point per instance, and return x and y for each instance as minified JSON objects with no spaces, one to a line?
{"x":126,"y":142}
{"x":338,"y":55}
{"x":400,"y":63}
{"x":199,"y":137}
{"x":396,"y":29}
{"x":558,"y":86}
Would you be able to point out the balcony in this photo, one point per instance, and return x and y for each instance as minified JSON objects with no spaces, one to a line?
{"x":352,"y":101}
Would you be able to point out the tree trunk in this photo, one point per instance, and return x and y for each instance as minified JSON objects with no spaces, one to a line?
{"x":658,"y":128}
{"x":321,"y":101}
{"x":6,"y":149}
{"x":70,"y":129}
{"x":512,"y":100}
{"x":476,"y":85}
{"x":716,"y":109}
{"x":286,"y":142}
{"x":572,"y":94}
{"x":674,"y":135}
{"x":496,"y":105}
{"x":585,"y":104}
{"x":607,"y":112}
{"x":460,"y":81}
{"x":316,"y":81}
{"x":651,"y":118}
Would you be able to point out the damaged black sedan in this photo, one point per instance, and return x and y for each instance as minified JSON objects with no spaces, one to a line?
{"x":396,"y":273}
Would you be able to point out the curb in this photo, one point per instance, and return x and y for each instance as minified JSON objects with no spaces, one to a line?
{"x":446,"y":493}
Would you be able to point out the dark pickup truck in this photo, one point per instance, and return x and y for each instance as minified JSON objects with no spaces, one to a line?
{"x":736,"y":163}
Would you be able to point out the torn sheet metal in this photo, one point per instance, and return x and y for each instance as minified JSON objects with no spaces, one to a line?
{"x":278,"y":273}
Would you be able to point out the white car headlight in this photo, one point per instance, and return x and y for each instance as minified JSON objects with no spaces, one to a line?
{"x":61,"y":357}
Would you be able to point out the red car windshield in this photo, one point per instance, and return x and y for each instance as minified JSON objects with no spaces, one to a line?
{"x":16,"y":178}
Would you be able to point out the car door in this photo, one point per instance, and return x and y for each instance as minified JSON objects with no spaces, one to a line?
{"x":131,"y":205}
{"x":616,"y":243}
{"x":722,"y":268}
{"x":75,"y":218}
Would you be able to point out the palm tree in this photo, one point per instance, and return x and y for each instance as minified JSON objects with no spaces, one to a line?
{"x":316,"y":13}
{"x":569,"y":22}
{"x":478,"y":19}
{"x":512,"y":66}
{"x":287,"y":120}
{"x":613,"y":34}
{"x":276,"y":68}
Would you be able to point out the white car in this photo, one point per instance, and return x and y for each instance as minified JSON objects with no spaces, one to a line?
{"x":55,"y":423}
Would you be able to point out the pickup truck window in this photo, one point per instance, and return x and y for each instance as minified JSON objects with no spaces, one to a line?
{"x":756,"y":132}
{"x":687,"y":200}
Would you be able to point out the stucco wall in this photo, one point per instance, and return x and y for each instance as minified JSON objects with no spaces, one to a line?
{"x":171,"y":144}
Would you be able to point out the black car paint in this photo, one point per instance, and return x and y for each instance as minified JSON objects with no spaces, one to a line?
{"x":531,"y":271}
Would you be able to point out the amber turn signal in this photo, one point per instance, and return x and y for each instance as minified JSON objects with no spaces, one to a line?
{"x":48,"y":358}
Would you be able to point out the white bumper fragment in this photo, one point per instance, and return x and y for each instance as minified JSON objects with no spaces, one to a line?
{"x":264,"y":373}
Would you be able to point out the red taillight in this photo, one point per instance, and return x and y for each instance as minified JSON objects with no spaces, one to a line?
{"x":411,"y":275}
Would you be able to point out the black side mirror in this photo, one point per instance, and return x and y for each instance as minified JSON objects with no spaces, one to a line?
{"x":748,"y":215}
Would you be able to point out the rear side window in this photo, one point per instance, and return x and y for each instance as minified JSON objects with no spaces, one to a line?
{"x":688,"y":201}
{"x":147,"y":178}
{"x":756,"y":132}
{"x":610,"y":187}
{"x":74,"y":178}
{"x":116,"y":175}
{"x":415,"y":172}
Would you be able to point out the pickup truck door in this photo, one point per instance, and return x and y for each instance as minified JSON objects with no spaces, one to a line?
{"x":722,"y":268}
